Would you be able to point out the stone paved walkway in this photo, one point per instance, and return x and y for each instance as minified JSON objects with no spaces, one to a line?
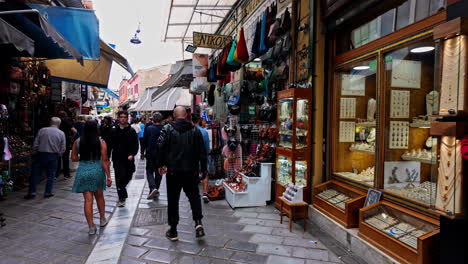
{"x":52,"y":230}
{"x":244,"y":235}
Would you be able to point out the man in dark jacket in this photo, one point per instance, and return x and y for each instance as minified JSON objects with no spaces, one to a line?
{"x":149,"y":150}
{"x":183,"y":153}
{"x":123,"y":146}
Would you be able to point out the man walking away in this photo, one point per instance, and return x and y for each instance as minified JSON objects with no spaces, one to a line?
{"x":66,"y":126}
{"x":150,"y":151}
{"x":141,"y":134}
{"x":49,"y":144}
{"x":206,"y":143}
{"x":182,"y":152}
{"x":123,"y":148}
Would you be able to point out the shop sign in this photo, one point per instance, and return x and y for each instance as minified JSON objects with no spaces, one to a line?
{"x":282,"y":4}
{"x":251,"y":7}
{"x":211,"y":41}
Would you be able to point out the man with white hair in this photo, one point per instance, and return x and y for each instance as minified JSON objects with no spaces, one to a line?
{"x":48,"y":145}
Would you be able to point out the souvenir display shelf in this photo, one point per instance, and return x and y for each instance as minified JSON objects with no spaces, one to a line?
{"x":258,"y":190}
{"x":292,"y":153}
{"x":339,"y":201}
{"x":405,"y":235}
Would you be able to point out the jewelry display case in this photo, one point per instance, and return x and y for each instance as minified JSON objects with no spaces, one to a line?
{"x":293,"y":151}
{"x":410,"y":152}
{"x":405,"y":235}
{"x":355,"y":134}
{"x":340,"y":202}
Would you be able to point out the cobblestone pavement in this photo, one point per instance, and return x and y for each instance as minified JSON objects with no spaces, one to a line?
{"x":243,"y":235}
{"x":52,"y":230}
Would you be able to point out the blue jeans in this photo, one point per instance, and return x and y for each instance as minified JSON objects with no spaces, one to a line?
{"x":44,"y":160}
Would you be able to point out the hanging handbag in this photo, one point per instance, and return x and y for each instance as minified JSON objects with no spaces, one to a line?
{"x":212,"y":72}
{"x":273,"y":33}
{"x":241,"y":55}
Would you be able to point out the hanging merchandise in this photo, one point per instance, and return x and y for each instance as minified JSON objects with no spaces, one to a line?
{"x":256,"y":42}
{"x":212,"y":72}
{"x":242,"y":54}
{"x":211,"y":97}
{"x":285,"y":23}
{"x":262,"y":47}
{"x":230,"y":59}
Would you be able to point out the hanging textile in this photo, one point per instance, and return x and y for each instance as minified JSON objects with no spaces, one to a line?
{"x":242,"y":54}
{"x":262,"y":47}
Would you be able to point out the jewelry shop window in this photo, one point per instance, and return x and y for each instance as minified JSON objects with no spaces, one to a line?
{"x":355,"y":123}
{"x":410,"y":100}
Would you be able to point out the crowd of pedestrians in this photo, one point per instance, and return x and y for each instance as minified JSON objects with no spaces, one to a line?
{"x":176,"y":147}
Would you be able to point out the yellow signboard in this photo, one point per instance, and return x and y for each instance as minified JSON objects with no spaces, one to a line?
{"x":211,"y":41}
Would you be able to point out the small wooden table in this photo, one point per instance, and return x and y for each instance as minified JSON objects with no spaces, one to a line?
{"x":293,"y":211}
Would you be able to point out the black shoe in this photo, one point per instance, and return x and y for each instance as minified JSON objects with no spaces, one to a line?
{"x":199,"y":231}
{"x":48,"y":195}
{"x":171,"y":234}
{"x":29,"y":196}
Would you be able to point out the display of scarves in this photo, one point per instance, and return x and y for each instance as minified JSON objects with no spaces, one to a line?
{"x":256,"y":43}
{"x":241,"y":55}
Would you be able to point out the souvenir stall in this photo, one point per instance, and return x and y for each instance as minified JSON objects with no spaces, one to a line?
{"x":395,"y":131}
{"x":245,"y":78}
{"x":25,"y":91}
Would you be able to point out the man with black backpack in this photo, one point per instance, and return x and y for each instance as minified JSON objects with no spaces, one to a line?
{"x":183,"y":153}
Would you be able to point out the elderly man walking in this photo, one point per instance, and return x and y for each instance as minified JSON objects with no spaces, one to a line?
{"x":48,"y":145}
{"x":183,"y":153}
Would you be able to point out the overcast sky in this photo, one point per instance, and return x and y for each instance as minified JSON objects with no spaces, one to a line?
{"x":118,"y":21}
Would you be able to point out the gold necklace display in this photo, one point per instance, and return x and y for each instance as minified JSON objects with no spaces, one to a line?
{"x":450,"y":176}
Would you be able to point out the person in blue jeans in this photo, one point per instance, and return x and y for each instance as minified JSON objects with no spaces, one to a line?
{"x":49,"y":143}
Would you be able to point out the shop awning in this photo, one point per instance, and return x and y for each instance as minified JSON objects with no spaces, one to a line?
{"x":181,"y":75}
{"x":146,"y":94}
{"x":12,"y":40}
{"x":187,"y":16}
{"x":77,"y":25}
{"x":48,"y":42}
{"x":111,"y":93}
{"x":93,"y":72}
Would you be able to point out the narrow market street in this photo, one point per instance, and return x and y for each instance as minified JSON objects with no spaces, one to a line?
{"x":54,"y":230}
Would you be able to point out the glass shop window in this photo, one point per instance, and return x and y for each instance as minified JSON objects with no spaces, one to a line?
{"x":410,"y":152}
{"x":355,"y":129}
{"x":392,"y":20}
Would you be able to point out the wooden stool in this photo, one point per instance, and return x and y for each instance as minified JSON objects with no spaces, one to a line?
{"x":293,"y":211}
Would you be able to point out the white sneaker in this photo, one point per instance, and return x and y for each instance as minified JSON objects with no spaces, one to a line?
{"x":103,"y":222}
{"x":153,"y":194}
{"x":121,"y":203}
{"x":92,"y":230}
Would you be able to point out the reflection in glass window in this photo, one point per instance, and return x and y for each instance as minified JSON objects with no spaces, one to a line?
{"x":403,"y":15}
{"x":422,"y":9}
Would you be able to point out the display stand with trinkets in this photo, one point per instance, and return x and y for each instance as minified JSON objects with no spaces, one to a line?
{"x":292,"y":205}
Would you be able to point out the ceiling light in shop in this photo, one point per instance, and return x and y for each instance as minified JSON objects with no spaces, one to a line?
{"x":363,"y":67}
{"x":422,"y":49}
{"x":257,"y":60}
